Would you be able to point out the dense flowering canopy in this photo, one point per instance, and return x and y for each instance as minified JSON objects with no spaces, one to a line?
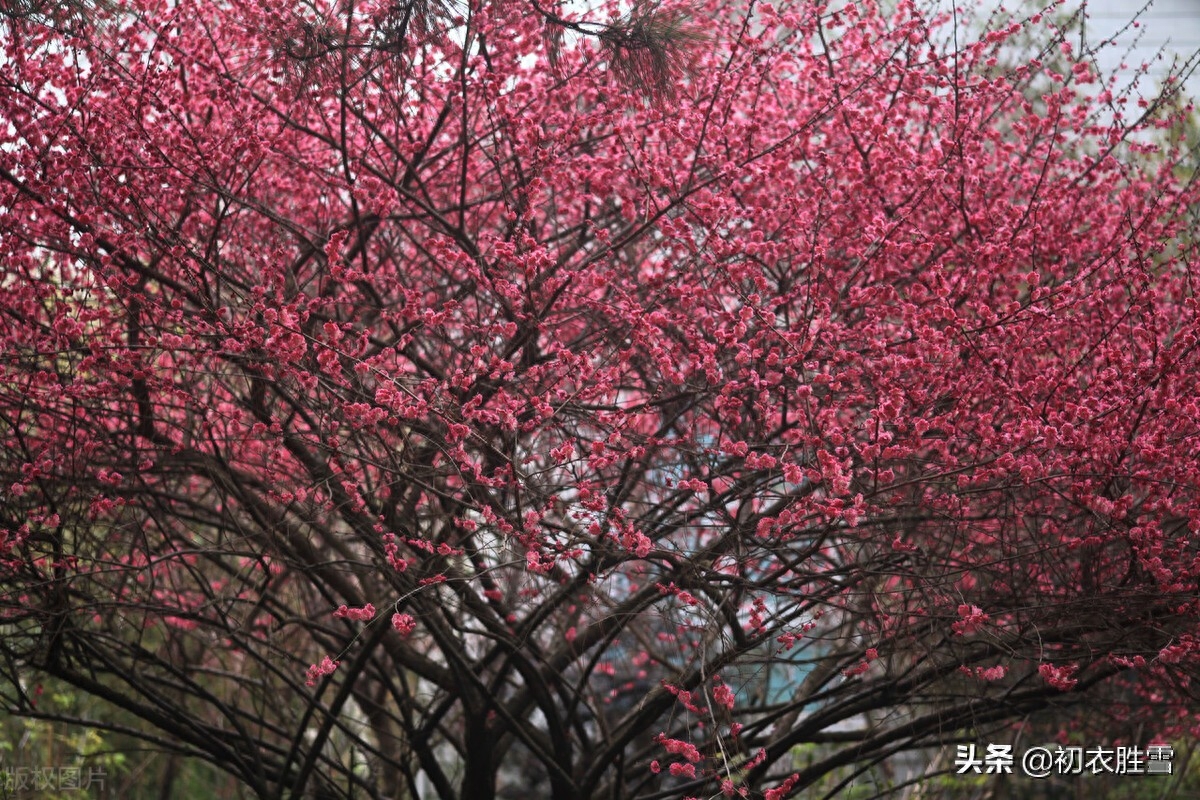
{"x":384,"y":409}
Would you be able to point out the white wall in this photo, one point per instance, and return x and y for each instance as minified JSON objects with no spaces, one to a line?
{"x":1170,"y":24}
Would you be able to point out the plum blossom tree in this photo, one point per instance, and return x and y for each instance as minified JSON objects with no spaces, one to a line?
{"x":387,"y":411}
